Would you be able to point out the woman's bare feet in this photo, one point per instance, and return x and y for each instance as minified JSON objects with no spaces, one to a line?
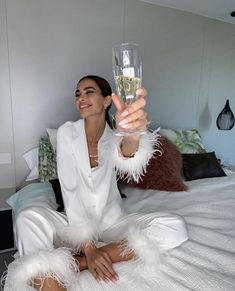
{"x":48,"y":284}
{"x":114,"y":250}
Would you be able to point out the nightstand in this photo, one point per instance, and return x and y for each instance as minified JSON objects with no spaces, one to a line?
{"x":7,"y":242}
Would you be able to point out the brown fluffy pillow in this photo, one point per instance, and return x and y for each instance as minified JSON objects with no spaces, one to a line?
{"x":164,"y":172}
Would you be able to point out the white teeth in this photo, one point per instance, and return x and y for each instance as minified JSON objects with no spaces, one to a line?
{"x":84,"y":106}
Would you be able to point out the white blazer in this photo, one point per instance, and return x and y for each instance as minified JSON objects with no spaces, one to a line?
{"x":91,"y":197}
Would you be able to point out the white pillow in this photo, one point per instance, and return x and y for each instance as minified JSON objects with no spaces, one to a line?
{"x":31,"y":158}
{"x":52,"y":133}
{"x":35,"y":194}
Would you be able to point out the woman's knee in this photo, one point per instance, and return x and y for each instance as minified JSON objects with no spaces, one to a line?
{"x":32,"y":231}
{"x":168,"y":230}
{"x":27,"y":217}
{"x":176,"y":231}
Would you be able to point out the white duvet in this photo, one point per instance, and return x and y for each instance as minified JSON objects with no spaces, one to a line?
{"x":205,"y":262}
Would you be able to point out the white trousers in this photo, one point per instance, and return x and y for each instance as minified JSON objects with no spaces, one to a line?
{"x":148,"y":235}
{"x":35,"y":229}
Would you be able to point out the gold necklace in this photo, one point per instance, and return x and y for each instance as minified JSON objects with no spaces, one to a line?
{"x":93,"y":156}
{"x":92,"y":144}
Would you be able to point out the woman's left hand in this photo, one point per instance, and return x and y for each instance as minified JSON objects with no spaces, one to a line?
{"x":132,"y":117}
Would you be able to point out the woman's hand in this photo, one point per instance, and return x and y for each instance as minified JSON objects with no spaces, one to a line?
{"x":100,"y":265}
{"x":133,"y":117}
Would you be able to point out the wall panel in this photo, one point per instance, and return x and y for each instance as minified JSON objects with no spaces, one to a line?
{"x":7,"y":169}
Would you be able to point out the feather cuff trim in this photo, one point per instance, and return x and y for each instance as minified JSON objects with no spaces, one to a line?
{"x":145,"y":250}
{"x":135,"y":167}
{"x":58,"y":264}
{"x":76,"y":236}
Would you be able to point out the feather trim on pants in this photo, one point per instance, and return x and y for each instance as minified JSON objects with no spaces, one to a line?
{"x":145,"y":250}
{"x":58,"y":264}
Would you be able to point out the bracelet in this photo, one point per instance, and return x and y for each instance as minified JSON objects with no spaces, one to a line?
{"x":126,"y":157}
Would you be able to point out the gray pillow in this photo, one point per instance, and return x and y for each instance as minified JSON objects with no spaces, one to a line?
{"x":35,"y":194}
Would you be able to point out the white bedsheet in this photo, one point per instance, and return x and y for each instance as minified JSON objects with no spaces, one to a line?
{"x":205,"y":262}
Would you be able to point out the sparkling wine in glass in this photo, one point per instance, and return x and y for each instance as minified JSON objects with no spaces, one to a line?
{"x":127,"y":69}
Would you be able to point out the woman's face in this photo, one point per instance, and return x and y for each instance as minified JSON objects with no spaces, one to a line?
{"x":89,"y":99}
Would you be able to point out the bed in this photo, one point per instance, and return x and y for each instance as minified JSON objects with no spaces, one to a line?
{"x":205,"y":262}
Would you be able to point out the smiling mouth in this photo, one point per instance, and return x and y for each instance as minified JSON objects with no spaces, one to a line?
{"x":84,"y":106}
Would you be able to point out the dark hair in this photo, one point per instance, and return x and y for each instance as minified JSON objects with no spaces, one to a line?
{"x":105,"y":89}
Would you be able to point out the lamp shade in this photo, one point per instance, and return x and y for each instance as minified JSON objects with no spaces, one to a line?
{"x":225,"y":120}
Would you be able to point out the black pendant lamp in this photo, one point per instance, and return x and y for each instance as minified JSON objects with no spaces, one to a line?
{"x":225,"y":120}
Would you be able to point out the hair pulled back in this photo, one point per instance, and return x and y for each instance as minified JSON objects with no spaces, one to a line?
{"x":105,"y":89}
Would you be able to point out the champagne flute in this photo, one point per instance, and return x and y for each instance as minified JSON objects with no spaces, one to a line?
{"x":127,"y":70}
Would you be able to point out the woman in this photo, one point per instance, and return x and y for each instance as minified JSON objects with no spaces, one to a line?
{"x":95,"y":226}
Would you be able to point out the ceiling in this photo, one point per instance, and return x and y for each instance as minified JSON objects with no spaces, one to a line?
{"x":216,"y":9}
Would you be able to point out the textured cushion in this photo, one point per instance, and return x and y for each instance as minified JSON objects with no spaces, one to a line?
{"x":47,"y":160}
{"x":52,"y":134}
{"x":186,"y":141}
{"x":204,"y":165}
{"x":35,"y":194}
{"x":164,"y":172}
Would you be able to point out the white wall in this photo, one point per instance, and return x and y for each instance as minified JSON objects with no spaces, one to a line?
{"x":189,"y":70}
{"x":52,"y":44}
{"x":7,"y":170}
{"x":189,"y":67}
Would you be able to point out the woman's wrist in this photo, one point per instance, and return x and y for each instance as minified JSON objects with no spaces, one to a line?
{"x":81,"y":262}
{"x":88,"y":248}
{"x":129,"y":145}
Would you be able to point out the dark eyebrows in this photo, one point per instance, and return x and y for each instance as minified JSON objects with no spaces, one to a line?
{"x":86,"y":88}
{"x":89,"y":88}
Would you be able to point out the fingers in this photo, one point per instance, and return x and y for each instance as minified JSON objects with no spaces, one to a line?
{"x":134,"y":112}
{"x":118,"y":103}
{"x":139,"y":104}
{"x":132,"y":117}
{"x":101,"y":267}
{"x":106,"y":272}
{"x":140,"y":93}
{"x":140,"y":124}
{"x":95,"y":274}
{"x":109,"y":266}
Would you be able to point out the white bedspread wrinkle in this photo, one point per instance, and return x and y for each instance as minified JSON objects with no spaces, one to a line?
{"x":206,"y":262}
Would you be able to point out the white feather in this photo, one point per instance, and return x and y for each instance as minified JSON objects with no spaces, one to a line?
{"x":58,"y":264}
{"x":144,"y":248}
{"x":135,"y":167}
{"x":75,"y":236}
